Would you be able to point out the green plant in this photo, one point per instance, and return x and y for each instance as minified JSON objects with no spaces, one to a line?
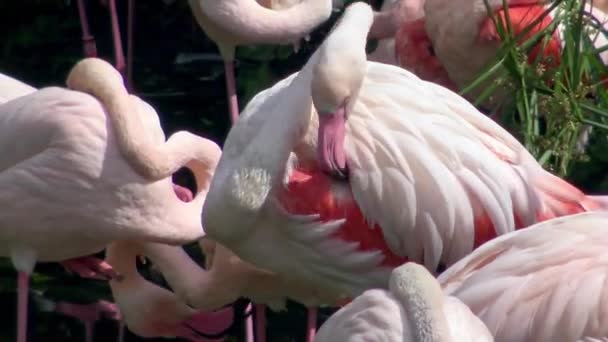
{"x":552,"y":108}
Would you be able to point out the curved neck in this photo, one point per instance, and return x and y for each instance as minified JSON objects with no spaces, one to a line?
{"x":250,"y":22}
{"x":122,"y":258}
{"x":422,"y":300}
{"x":188,"y":280}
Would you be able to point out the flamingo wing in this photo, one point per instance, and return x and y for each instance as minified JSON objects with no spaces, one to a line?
{"x":373,"y":316}
{"x":545,"y":283}
{"x":425,"y":165}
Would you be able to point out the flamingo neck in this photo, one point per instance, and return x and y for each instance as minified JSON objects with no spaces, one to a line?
{"x":122,"y":257}
{"x":188,"y":279}
{"x":423,"y":300}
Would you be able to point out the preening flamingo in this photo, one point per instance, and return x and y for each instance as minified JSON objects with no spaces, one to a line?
{"x":76,"y":191}
{"x":422,"y":175}
{"x":226,"y":279}
{"x":235,"y":22}
{"x":544,"y":283}
{"x":152,"y":311}
{"x":413,"y":309}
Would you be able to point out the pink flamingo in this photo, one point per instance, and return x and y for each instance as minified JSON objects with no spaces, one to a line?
{"x":225,"y":279}
{"x":550,"y":276}
{"x":234,"y":22}
{"x":404,"y":41}
{"x":458,"y":28}
{"x":88,"y":40}
{"x":413,"y":308}
{"x":347,"y":169}
{"x":73,"y":179}
{"x":151,"y":311}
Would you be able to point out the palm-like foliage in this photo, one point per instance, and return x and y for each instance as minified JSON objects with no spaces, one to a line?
{"x":550,"y":107}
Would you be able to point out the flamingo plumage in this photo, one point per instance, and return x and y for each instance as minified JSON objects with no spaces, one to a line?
{"x":552,"y":276}
{"x":424,"y":177}
{"x":70,"y":177}
{"x":413,"y":308}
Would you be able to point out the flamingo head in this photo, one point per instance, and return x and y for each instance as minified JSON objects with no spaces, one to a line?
{"x":337,"y":77}
{"x":526,"y":18}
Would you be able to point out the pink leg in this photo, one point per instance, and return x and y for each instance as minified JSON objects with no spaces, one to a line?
{"x":88,"y":331}
{"x":249,"y":325}
{"x":88,"y":41}
{"x":231,"y":89}
{"x":311,"y":329}
{"x":119,"y":55}
{"x":121,"y":331}
{"x":23,"y":284}
{"x":260,"y":323}
{"x":130,"y":23}
{"x":90,"y":267}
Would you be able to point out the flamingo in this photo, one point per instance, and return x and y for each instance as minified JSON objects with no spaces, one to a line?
{"x":152,"y":311}
{"x":347,"y":169}
{"x":404,"y":41}
{"x":384,"y":31}
{"x":459,"y":28}
{"x":76,"y":191}
{"x":550,"y":277}
{"x":234,"y":22}
{"x":226,"y":279}
{"x":413,"y":309}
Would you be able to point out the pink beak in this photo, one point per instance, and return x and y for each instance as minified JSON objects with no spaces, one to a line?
{"x":184,"y":194}
{"x":330,"y":150}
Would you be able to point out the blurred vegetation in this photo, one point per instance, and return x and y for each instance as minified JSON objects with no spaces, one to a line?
{"x":178,"y":70}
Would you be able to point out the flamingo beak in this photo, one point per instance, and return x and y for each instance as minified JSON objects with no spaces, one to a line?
{"x":330,"y":149}
{"x":184,"y":194}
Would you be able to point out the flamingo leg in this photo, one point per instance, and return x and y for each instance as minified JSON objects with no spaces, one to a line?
{"x":130,"y":23}
{"x":121,"y":331}
{"x":23,"y":284}
{"x":88,"y":330}
{"x":311,"y":329}
{"x":231,"y":89}
{"x":249,"y":325}
{"x":88,"y":41}
{"x":119,"y":55}
{"x":260,"y":323}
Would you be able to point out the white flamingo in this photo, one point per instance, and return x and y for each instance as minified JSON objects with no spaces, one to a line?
{"x":544,"y":283}
{"x":421,"y":174}
{"x":413,"y":309}
{"x":76,"y":191}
